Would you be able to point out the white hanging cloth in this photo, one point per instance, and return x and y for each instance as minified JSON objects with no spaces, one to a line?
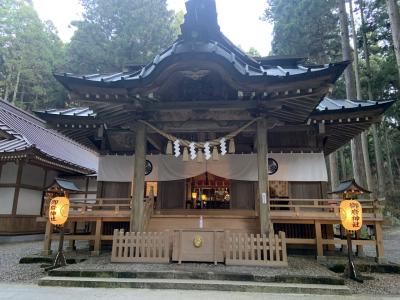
{"x":290,"y":167}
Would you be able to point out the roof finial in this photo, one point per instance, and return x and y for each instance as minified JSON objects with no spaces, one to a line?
{"x":201,"y":20}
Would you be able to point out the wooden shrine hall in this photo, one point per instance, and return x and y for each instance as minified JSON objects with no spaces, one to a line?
{"x":206,"y":153}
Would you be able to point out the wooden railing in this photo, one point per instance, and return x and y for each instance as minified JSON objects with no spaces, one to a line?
{"x":255,"y":250}
{"x":143,"y":247}
{"x":106,"y":207}
{"x":319,"y":208}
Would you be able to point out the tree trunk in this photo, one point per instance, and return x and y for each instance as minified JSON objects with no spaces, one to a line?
{"x":350,"y":85}
{"x":379,"y":162}
{"x":366,"y":51}
{"x":367,"y":164}
{"x":343,"y":164}
{"x":394,"y":15}
{"x":364,"y":135}
{"x":389,"y":160}
{"x":7,"y":90}
{"x":377,"y":146}
{"x":333,"y":168}
{"x":346,"y":50}
{"x":355,"y":47}
{"x":14,"y":98}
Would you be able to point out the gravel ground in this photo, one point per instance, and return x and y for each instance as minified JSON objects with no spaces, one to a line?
{"x":391,"y":243}
{"x":379,"y":284}
{"x":11,"y":270}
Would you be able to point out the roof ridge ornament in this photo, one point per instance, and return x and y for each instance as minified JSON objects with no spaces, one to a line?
{"x":201,"y":21}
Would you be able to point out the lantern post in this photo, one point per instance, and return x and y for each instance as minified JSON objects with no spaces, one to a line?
{"x":58,"y":215}
{"x":351,"y":218}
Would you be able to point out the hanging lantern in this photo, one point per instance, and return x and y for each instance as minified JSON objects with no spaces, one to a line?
{"x":59,"y":210}
{"x":199,"y":155}
{"x":194,"y":195}
{"x":185,"y":154}
{"x":351,"y":214}
{"x":203,"y":197}
{"x":215,"y":155}
{"x":232,"y":146}
{"x":169,"y":148}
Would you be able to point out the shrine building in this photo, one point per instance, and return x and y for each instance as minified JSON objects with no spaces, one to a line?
{"x":207,"y":149}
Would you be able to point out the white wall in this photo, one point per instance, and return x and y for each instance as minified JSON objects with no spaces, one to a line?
{"x":6,"y":200}
{"x":29,"y":202}
{"x":9,"y":173}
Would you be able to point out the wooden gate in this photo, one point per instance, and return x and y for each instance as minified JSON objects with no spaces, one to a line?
{"x":143,"y":247}
{"x":255,"y":250}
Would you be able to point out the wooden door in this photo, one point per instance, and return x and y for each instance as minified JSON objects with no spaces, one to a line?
{"x":242,"y":195}
{"x":171,"y":194}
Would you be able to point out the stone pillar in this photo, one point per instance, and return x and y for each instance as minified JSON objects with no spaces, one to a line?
{"x":262,"y":152}
{"x":136,"y":224}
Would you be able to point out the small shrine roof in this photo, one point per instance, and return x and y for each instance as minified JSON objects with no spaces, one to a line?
{"x":330,"y":105}
{"x":20,"y":131}
{"x":349,"y":186}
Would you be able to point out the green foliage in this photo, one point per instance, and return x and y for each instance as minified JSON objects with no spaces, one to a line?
{"x":30,"y":51}
{"x":306,"y":28}
{"x":253,"y":52}
{"x":116,"y":33}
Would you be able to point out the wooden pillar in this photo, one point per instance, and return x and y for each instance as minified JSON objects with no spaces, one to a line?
{"x":333,"y":171}
{"x":97,"y":238}
{"x":262,"y":152}
{"x":136,"y":224}
{"x":359,"y":248}
{"x":379,"y":243}
{"x":17,"y":187}
{"x":47,"y":239}
{"x":318,"y":241}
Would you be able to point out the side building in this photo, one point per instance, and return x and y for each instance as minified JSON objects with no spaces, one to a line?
{"x":31,"y":157}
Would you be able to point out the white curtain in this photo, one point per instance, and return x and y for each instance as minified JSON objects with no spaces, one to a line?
{"x":291,"y":167}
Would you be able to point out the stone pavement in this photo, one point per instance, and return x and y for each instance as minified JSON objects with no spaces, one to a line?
{"x":33,"y":292}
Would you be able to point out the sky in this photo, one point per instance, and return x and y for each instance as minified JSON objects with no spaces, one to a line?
{"x":239,"y":20}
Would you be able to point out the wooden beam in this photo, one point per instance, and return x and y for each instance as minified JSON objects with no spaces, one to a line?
{"x":136,"y":224}
{"x":262,"y":152}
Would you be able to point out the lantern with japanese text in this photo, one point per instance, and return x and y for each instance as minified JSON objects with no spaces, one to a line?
{"x":58,"y":210}
{"x":351,"y":215}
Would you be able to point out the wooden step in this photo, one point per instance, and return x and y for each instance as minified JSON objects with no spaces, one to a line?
{"x":188,"y":284}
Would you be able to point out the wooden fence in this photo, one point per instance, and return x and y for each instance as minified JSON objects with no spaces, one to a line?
{"x":255,"y":250}
{"x":142,"y":247}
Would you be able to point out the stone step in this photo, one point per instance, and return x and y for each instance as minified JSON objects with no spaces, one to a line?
{"x":187,"y":284}
{"x":180,"y":274}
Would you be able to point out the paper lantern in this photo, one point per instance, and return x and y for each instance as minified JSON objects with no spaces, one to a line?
{"x":59,"y":210}
{"x":194,"y":195}
{"x":351,"y":214}
{"x":204,"y":197}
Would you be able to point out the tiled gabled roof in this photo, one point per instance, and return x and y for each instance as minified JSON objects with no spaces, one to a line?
{"x":21,"y":131}
{"x":332,"y":105}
